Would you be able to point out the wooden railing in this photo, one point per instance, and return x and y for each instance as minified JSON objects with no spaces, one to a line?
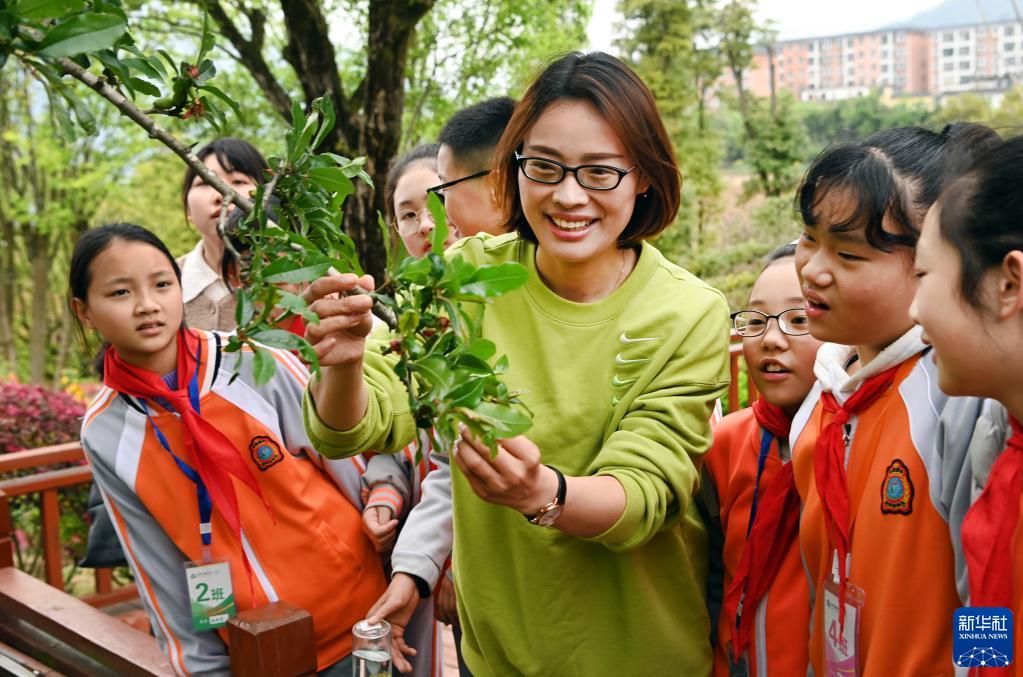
{"x":47,"y":484}
{"x":734,"y":355}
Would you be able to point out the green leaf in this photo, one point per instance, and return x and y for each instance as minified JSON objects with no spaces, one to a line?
{"x":243,"y":309}
{"x":47,"y":9}
{"x":145,"y":67}
{"x":491,"y":281}
{"x":505,"y":420}
{"x":206,"y":71}
{"x":156,"y":64}
{"x":468,"y":393}
{"x":440,"y":223}
{"x":408,"y":321}
{"x":279,"y":338}
{"x":263,"y":365}
{"x":82,"y":113}
{"x":481,"y":348}
{"x":333,"y":180}
{"x":303,"y":274}
{"x":217,"y":92}
{"x":501,"y":367}
{"x":436,"y":371}
{"x":144,"y":86}
{"x":326,"y":108}
{"x":82,"y":33}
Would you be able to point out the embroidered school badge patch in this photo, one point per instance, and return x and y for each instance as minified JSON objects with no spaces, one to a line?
{"x":897,"y":490}
{"x":265,"y":452}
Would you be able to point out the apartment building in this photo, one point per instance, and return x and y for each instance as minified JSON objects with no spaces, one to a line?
{"x":984,"y":58}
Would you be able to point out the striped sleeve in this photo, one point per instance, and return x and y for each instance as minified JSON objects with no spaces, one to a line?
{"x":388,"y":478}
{"x":159,"y":570}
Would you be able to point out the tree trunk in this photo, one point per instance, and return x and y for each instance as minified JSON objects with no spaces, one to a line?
{"x":771,"y":76}
{"x":39,"y":329}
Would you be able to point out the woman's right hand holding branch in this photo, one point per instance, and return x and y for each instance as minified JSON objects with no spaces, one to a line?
{"x":339,"y":340}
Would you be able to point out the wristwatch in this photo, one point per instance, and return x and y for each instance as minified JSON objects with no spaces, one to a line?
{"x":549,"y":514}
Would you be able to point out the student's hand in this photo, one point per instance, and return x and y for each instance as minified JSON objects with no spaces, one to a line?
{"x":445,"y":609}
{"x":396,"y":606}
{"x":380,"y":526}
{"x":345,"y":321}
{"x":514,"y":478}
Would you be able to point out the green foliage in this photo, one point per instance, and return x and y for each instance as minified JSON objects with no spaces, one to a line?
{"x":827,"y":122}
{"x":1006,"y":117}
{"x":775,"y":152}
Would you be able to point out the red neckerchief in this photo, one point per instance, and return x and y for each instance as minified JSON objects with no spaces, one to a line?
{"x":829,"y":469}
{"x":770,"y":538}
{"x":294,"y":324}
{"x":772,"y":418}
{"x":216,"y":458}
{"x":989,"y":525}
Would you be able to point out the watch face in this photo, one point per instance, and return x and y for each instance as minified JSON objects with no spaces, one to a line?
{"x":549,"y":517}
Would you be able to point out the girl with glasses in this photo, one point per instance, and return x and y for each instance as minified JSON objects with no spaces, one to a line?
{"x":405,"y":198}
{"x":970,"y":303}
{"x":578,"y":547}
{"x":766,"y":633}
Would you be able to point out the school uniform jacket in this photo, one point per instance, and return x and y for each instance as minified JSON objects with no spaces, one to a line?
{"x":909,"y":480}
{"x":308,"y":549}
{"x":779,"y":638}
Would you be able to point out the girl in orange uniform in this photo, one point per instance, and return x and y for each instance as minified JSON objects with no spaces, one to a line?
{"x":880,"y":455}
{"x":751,"y":485}
{"x":970,"y":303}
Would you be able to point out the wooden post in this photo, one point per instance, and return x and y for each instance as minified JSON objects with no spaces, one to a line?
{"x":51,"y":538}
{"x":104,"y":580}
{"x":733,"y":383}
{"x":6,"y":531}
{"x":275,"y":640}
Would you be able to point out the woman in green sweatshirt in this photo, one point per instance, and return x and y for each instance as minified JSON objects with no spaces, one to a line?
{"x":621,"y":355}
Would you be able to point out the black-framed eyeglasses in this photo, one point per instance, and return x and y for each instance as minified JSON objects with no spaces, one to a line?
{"x":750,"y":323}
{"x":439,"y":189}
{"x":594,"y":177}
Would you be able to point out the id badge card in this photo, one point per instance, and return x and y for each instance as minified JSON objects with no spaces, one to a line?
{"x":841,"y":643}
{"x":210,"y":594}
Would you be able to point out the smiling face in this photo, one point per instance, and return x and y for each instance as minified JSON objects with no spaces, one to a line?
{"x":855,"y":294}
{"x":134,"y":302}
{"x":412,"y":218}
{"x":780,"y":365}
{"x":970,"y":358}
{"x":203,"y":201}
{"x":573,"y":224}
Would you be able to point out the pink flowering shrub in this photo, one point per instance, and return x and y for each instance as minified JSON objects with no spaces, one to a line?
{"x":32,"y":416}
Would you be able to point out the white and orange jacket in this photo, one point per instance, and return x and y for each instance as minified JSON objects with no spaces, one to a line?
{"x":308,"y":550}
{"x":910,"y":484}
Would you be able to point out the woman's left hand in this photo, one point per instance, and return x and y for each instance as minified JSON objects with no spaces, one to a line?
{"x":514,"y":478}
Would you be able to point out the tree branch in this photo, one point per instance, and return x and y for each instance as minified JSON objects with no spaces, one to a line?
{"x":250,"y":54}
{"x":133,"y":113}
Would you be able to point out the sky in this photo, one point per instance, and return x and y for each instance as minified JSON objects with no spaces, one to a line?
{"x":794,"y":18}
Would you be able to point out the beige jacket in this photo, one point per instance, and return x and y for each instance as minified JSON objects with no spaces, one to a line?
{"x":209,"y":303}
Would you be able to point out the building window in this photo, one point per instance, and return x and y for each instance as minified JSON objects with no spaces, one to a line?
{"x":947,"y":37}
{"x":1009,"y":30}
{"x":810,"y":60}
{"x":1009,"y":46}
{"x":1010,"y":61}
{"x":964,"y":35}
{"x":948,"y":51}
{"x":884,"y":68}
{"x":884,"y":39}
{"x":964,"y":51}
{"x":964,"y":65}
{"x":948,"y":66}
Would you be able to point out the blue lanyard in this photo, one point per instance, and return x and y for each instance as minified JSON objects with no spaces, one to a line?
{"x":765,"y":448}
{"x":203,"y":495}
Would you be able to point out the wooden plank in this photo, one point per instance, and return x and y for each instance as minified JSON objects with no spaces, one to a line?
{"x":52,"y":555}
{"x":275,"y":640}
{"x":33,"y":458}
{"x":6,"y":533}
{"x":28,"y":605}
{"x":51,"y":479}
{"x":114,"y":596}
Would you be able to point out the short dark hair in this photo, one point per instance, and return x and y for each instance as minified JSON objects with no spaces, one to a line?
{"x":234,"y":155}
{"x":778,"y":253}
{"x":981,"y":214}
{"x":425,"y":154}
{"x":897,"y":172}
{"x":91,"y":244}
{"x":628,"y":107}
{"x":472,"y":133}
